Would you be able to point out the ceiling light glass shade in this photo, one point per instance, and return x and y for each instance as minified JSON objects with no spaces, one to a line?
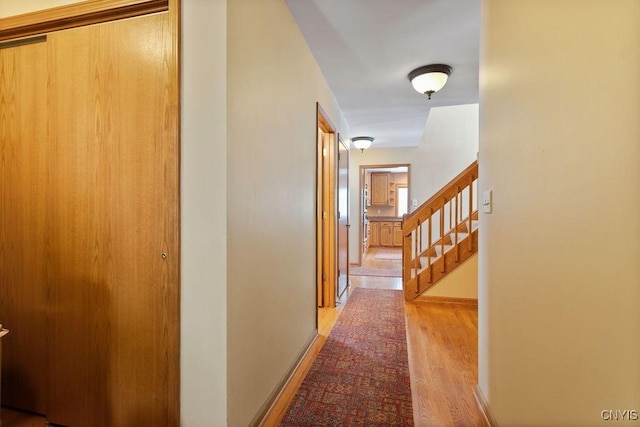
{"x":430,"y":78}
{"x":362,"y":142}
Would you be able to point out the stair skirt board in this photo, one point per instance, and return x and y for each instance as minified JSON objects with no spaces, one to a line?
{"x":440,"y":266}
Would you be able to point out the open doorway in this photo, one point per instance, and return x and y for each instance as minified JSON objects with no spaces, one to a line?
{"x":384,"y":198}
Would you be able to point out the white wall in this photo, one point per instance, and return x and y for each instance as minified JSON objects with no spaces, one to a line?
{"x":273,"y":85}
{"x":449,"y":144}
{"x":203,"y":323}
{"x":558,"y":258}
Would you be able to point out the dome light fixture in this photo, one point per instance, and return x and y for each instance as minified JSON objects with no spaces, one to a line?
{"x":430,"y":78}
{"x":362,"y":142}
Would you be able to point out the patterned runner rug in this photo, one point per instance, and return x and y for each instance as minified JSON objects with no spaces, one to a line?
{"x":361,"y":375}
{"x":391,"y":254}
{"x":380,"y":272}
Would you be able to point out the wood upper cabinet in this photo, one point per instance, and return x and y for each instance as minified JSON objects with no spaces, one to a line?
{"x":397,"y":233}
{"x":380,"y":189}
{"x":374,"y":237}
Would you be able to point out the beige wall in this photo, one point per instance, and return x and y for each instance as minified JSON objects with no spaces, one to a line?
{"x":460,"y":283}
{"x":273,"y":86}
{"x":558,"y":263}
{"x":15,"y":7}
{"x":203,"y":341}
{"x":449,"y":144}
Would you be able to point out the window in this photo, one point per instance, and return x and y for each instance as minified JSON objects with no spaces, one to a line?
{"x":403,"y":200}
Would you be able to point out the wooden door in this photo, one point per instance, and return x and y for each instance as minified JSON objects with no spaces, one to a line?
{"x":113,"y":354}
{"x":343,"y":217}
{"x":25,"y":229}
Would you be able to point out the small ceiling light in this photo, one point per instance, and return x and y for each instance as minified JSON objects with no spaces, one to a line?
{"x":430,"y":78}
{"x":362,"y":142}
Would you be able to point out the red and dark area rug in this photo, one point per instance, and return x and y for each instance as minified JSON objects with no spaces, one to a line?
{"x":361,"y":375}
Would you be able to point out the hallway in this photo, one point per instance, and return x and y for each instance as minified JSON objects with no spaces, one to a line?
{"x":442,"y":346}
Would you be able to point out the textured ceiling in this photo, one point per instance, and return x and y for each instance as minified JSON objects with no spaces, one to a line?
{"x":366,"y":48}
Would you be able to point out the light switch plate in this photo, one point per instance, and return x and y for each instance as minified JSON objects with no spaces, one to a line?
{"x":414,"y":202}
{"x":487,"y":201}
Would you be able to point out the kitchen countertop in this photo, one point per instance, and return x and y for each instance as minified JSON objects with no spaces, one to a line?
{"x":384,"y":218}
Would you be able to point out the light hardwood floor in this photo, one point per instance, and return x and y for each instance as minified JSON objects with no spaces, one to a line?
{"x":442,"y":341}
{"x":442,"y":345}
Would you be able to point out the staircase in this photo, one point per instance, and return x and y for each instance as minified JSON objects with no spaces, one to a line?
{"x":440,"y":234}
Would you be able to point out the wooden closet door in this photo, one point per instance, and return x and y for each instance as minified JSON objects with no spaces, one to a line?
{"x":113,"y":354}
{"x":24,"y":228}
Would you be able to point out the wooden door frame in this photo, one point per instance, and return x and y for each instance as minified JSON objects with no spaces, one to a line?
{"x":326,"y":211}
{"x":361,"y":177}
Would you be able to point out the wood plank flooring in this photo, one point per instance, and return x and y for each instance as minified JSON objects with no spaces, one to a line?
{"x":442,"y":344}
{"x":442,"y":339}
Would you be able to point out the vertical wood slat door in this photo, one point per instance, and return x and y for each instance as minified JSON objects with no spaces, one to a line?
{"x":24,"y":230}
{"x":113,"y":354}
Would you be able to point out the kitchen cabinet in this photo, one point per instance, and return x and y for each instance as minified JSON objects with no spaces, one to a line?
{"x":380,"y":189}
{"x":397,"y":233}
{"x":384,"y":233}
{"x":374,"y":237}
{"x":386,"y":229}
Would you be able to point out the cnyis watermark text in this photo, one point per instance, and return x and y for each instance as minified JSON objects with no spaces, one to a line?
{"x":619,"y":414}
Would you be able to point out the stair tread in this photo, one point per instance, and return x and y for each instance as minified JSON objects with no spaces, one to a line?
{"x":462,"y":236}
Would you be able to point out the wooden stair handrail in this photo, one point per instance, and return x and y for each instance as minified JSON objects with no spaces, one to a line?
{"x":424,"y":264}
{"x":434,"y":203}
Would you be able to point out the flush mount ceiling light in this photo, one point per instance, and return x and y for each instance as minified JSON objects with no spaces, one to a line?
{"x":430,"y":78}
{"x":362,"y":142}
